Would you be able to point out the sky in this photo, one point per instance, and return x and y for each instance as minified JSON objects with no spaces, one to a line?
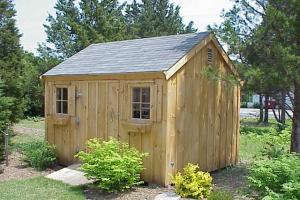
{"x":32,"y":14}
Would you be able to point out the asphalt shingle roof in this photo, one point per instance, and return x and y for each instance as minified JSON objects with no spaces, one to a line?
{"x":139,"y":55}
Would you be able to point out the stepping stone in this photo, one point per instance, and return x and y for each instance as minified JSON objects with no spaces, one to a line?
{"x":70,"y":175}
{"x":167,"y":196}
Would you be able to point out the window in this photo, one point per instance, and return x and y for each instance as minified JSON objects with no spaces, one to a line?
{"x":209,"y":56}
{"x":141,"y":103}
{"x":62,"y":100}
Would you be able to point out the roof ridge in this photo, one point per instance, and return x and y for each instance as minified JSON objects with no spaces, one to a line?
{"x":149,"y":38}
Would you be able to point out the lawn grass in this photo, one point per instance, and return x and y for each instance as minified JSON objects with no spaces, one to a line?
{"x":28,"y":130}
{"x":36,"y":122}
{"x":251,"y":147}
{"x":253,"y":143}
{"x":39,"y":188}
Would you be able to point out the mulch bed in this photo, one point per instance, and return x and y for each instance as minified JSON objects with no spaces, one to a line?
{"x":17,"y":169}
{"x":137,"y":193}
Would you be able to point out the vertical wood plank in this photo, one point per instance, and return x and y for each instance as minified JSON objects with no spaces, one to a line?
{"x":113,"y":109}
{"x":180,"y":110}
{"x":91,"y":110}
{"x":204,"y":125}
{"x":159,"y":101}
{"x":171,"y":120}
{"x":234,"y":126}
{"x":217,"y":121}
{"x":238,"y":124}
{"x":229,"y":126}
{"x":153,"y":102}
{"x":71,"y":100}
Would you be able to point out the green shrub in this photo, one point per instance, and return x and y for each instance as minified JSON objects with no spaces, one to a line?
{"x":220,"y":195}
{"x":38,"y":154}
{"x":257,"y":130}
{"x":113,"y":164}
{"x":277,"y":178}
{"x":277,"y":144}
{"x":192,"y":183}
{"x":272,"y":150}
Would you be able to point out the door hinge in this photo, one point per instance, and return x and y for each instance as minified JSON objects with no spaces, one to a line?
{"x":77,"y":120}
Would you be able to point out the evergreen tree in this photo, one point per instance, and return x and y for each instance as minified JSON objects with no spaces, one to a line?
{"x":33,"y":88}
{"x":5,"y":115}
{"x":93,"y":21}
{"x":75,"y":27}
{"x":280,"y":41}
{"x":264,"y":38}
{"x":155,"y":18}
{"x":10,"y":58}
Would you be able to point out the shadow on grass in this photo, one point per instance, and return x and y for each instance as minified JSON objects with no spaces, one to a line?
{"x":234,"y":180}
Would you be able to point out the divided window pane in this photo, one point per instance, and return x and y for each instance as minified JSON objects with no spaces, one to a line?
{"x":62,"y":100}
{"x":141,"y":103}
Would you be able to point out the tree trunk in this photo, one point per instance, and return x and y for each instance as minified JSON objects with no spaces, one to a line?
{"x":266,"y":118}
{"x":261,"y":109}
{"x":295,"y":140}
{"x":283,"y":108}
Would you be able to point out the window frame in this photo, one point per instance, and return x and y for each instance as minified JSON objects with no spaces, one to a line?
{"x":132,"y":102}
{"x":61,"y":100}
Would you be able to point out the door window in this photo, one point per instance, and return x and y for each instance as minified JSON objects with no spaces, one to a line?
{"x":141,"y":103}
{"x":62,"y":100}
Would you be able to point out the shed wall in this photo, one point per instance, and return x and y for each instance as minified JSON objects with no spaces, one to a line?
{"x":203,"y":114}
{"x":102,"y":110}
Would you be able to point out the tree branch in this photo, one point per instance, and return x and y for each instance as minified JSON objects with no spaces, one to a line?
{"x":252,"y":8}
{"x":275,"y":115}
{"x":288,"y":114}
{"x":291,"y":99}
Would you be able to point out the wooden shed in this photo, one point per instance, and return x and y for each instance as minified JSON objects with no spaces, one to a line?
{"x":151,"y":93}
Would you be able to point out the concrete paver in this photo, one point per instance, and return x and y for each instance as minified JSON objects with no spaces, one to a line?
{"x":70,"y":175}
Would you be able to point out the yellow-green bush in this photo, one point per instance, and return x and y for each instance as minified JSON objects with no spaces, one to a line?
{"x":192,"y":183}
{"x":113,"y":164}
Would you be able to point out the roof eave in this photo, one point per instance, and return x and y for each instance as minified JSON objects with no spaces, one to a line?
{"x":106,"y":76}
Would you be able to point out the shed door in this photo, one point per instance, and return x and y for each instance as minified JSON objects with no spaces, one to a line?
{"x":97,"y":111}
{"x":60,"y":116}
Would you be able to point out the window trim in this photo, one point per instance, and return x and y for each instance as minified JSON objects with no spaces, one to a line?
{"x":140,"y":86}
{"x":56,"y":100}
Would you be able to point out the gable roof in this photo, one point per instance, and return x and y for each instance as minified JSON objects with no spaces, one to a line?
{"x":157,"y":54}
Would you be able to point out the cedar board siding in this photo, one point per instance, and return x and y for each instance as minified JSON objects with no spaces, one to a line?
{"x":193,"y":119}
{"x":203,"y":116}
{"x":103,"y":112}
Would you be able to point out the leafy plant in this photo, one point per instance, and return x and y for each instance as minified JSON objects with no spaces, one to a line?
{"x":192,"y":183}
{"x":272,"y":150}
{"x":257,"y":130}
{"x":113,"y":164}
{"x":277,"y":178}
{"x":38,"y":154}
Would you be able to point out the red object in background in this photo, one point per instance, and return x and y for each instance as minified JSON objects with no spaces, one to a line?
{"x":272,"y":104}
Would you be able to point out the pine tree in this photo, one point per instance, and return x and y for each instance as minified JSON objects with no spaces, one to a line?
{"x":75,"y":27}
{"x":155,"y":18}
{"x":5,"y":115}
{"x":10,"y":58}
{"x":263,"y":36}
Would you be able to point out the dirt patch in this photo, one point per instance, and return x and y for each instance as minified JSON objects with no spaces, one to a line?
{"x":21,"y":130}
{"x":234,"y":180}
{"x":137,"y":193}
{"x":17,"y":169}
